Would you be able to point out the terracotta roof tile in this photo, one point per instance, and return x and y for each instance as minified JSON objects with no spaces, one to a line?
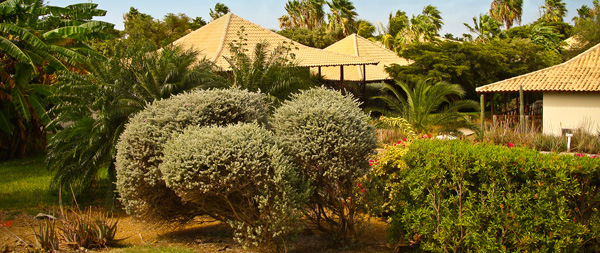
{"x":580,"y":74}
{"x":356,"y":45}
{"x":213,"y":39}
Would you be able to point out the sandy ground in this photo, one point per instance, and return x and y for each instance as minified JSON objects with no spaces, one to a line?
{"x":201,"y":235}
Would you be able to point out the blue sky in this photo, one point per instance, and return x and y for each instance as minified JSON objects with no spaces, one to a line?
{"x":266,"y":12}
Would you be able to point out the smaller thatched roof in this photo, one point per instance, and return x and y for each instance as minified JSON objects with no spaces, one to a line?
{"x":580,"y":74}
{"x":213,"y":40}
{"x":356,"y":45}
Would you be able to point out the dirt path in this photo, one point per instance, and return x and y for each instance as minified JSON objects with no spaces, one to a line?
{"x":202,"y":235}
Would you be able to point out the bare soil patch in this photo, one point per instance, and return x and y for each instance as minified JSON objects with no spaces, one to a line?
{"x":202,"y":235}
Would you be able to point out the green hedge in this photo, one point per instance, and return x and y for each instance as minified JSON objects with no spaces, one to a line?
{"x":462,"y":196}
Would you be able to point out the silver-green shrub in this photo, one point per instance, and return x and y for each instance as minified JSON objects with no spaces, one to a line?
{"x":238,"y":174}
{"x":331,"y":139}
{"x":140,"y":148}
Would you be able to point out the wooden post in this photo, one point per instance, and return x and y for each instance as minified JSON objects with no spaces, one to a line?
{"x":319,"y":71}
{"x":521,"y":109}
{"x":482,"y":117}
{"x":341,"y":73}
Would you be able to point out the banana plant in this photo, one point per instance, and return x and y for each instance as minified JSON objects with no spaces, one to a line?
{"x":38,"y":41}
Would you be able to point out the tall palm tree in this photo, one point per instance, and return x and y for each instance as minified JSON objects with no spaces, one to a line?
{"x":307,"y":14}
{"x":485,"y":27}
{"x":507,"y":11}
{"x":94,"y":106}
{"x":343,"y":15}
{"x":36,"y":41}
{"x":427,"y":106}
{"x":554,"y":10}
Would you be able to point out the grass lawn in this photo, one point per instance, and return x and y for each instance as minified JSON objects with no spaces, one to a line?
{"x":24,"y":185}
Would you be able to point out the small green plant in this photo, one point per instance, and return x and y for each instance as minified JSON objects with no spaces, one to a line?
{"x":87,"y":229}
{"x":46,"y":236}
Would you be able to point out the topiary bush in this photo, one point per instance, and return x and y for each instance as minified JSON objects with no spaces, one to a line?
{"x":140,"y":184}
{"x":331,"y":139}
{"x":464,"y":196}
{"x":238,"y":174}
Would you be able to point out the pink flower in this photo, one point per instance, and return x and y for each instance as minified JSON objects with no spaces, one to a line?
{"x":594,"y":156}
{"x":510,"y":145}
{"x":363,"y":190}
{"x":579,"y":155}
{"x":404,"y":139}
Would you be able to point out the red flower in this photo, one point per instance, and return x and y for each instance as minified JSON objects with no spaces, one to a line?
{"x":510,"y":145}
{"x":6,"y":224}
{"x":358,"y":185}
{"x":363,"y":190}
{"x":404,"y":139}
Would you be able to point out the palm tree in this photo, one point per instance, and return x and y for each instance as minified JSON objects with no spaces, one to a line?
{"x":219,"y":11}
{"x":554,"y":11}
{"x":36,"y":41}
{"x":507,"y":11}
{"x":343,"y":15}
{"x":307,"y":14}
{"x":94,"y":106}
{"x":485,"y":27}
{"x":427,"y":106}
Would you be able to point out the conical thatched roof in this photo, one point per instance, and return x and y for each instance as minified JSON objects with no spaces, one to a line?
{"x":356,"y":45}
{"x":580,"y":74}
{"x":213,"y":40}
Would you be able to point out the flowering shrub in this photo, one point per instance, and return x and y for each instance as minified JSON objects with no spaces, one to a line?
{"x":140,"y":148}
{"x":462,"y":196}
{"x":238,"y":174}
{"x":331,"y":139}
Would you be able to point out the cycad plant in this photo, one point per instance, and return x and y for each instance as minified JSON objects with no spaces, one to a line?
{"x":94,"y":107}
{"x":269,"y":70}
{"x":427,"y":106}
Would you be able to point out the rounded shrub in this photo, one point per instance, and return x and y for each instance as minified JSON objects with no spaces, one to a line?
{"x":238,"y":174}
{"x":331,"y":139}
{"x":140,"y":148}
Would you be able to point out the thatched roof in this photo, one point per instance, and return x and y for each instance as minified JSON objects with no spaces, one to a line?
{"x":213,"y":40}
{"x":356,"y":45}
{"x":580,"y":74}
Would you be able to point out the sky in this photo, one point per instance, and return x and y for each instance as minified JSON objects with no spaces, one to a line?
{"x":266,"y":12}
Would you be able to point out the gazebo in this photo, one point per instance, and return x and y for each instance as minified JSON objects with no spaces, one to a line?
{"x":213,"y":40}
{"x":356,"y":45}
{"x":562,"y":98}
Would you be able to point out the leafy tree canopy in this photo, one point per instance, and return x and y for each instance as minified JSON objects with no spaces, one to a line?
{"x":473,"y":64}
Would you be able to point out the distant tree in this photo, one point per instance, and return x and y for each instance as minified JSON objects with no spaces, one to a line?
{"x":342,"y":15}
{"x":486,"y":28}
{"x":472,"y":64}
{"x":141,"y":26}
{"x":197,"y":23}
{"x":220,"y":10}
{"x":587,"y":28}
{"x":553,"y":10}
{"x":507,"y":11}
{"x":365,"y":28}
{"x":307,"y":14}
{"x":318,"y":38}
{"x":421,"y":28}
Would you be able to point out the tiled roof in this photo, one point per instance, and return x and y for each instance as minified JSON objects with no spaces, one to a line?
{"x":213,"y":39}
{"x":358,"y":46}
{"x":581,"y":74}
